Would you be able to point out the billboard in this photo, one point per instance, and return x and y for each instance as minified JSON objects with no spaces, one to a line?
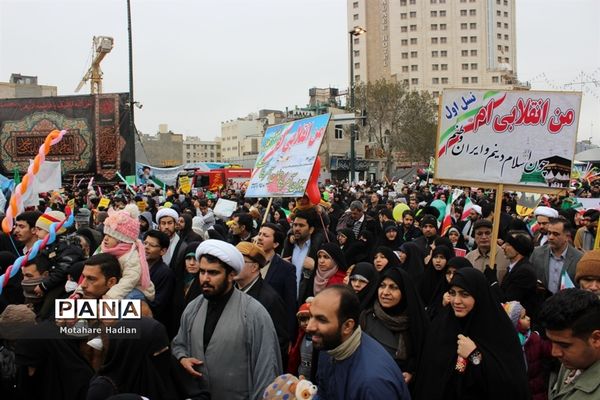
{"x":509,"y":137}
{"x":99,"y":141}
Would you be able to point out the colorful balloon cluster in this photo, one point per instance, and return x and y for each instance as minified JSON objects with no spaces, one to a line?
{"x":37,"y":247}
{"x":312,"y":189}
{"x":16,"y":202}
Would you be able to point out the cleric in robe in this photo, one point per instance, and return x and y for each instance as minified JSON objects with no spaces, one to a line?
{"x":226,"y":340}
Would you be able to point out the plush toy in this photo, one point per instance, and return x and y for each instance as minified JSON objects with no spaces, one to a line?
{"x":288,"y":387}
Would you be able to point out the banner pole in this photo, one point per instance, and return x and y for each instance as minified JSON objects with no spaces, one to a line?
{"x":267,"y":210}
{"x":496,"y":224}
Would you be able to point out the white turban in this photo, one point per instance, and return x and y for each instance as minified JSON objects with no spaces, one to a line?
{"x":166,"y":212}
{"x":476,"y":208}
{"x":545,"y":212}
{"x":224,"y":251}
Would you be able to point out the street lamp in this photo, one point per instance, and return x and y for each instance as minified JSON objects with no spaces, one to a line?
{"x":356,"y":31}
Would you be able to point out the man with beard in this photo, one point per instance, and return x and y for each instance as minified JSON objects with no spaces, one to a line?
{"x":167,"y":219}
{"x":586,"y":235}
{"x":542,"y":215}
{"x":352,"y":365}
{"x":226,"y":339}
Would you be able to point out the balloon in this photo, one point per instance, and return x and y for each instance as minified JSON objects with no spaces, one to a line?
{"x":312,"y":189}
{"x":441,"y":206}
{"x":398,"y":210}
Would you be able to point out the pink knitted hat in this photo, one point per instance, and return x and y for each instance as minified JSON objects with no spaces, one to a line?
{"x":122,"y":226}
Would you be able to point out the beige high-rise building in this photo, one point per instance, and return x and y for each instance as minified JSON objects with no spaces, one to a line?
{"x":197,"y":150}
{"x":435,"y":44}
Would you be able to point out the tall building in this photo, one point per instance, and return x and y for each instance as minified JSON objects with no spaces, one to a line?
{"x":196,"y":150}
{"x":22,"y":86}
{"x":435,"y":44}
{"x":165,"y":149}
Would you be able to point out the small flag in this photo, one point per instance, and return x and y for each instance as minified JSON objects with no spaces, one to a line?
{"x":447,"y":221}
{"x":467,"y":209}
{"x":533,"y":226}
{"x":565,"y":281}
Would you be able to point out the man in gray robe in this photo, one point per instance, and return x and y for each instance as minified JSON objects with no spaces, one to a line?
{"x":226,"y":339}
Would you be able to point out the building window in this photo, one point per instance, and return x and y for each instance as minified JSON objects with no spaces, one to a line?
{"x":465,"y":79}
{"x":435,"y":67}
{"x":442,"y":1}
{"x":339,"y":132}
{"x":505,"y":37}
{"x":505,"y":2}
{"x":474,"y":66}
{"x":356,"y":53}
{"x":404,"y":42}
{"x":355,"y":17}
{"x":444,"y":81}
{"x":506,"y":14}
{"x":413,"y":14}
{"x":435,"y":81}
{"x":433,"y":13}
{"x":499,"y":47}
{"x":506,"y":60}
{"x":473,"y":52}
{"x":473,"y":39}
{"x":413,"y":41}
{"x":403,"y":29}
{"x":357,"y":78}
{"x":463,"y":13}
{"x":414,"y":81}
{"x":495,"y":79}
{"x":444,"y":67}
{"x":434,"y":53}
{"x":435,"y":93}
{"x":412,"y":2}
{"x":474,"y":79}
{"x":356,"y":65}
{"x":405,"y":81}
{"x":499,"y":59}
{"x":442,"y":13}
{"x":498,"y":13}
{"x":442,"y":27}
{"x":356,"y":40}
{"x":464,"y":53}
{"x":498,"y":24}
{"x":473,"y":25}
{"x":355,"y":4}
{"x":405,"y":68}
{"x":472,"y":13}
{"x":498,"y":36}
{"x":465,"y":66}
{"x":414,"y":68}
{"x":463,"y":1}
{"x":404,"y":55}
{"x":444,"y":53}
{"x":402,"y":2}
{"x":464,"y":39}
{"x":187,"y":146}
{"x":413,"y":28}
{"x":434,"y":27}
{"x":434,"y":40}
{"x":506,"y":49}
{"x":443,"y":39}
{"x":433,"y":1}
{"x":413,"y":54}
{"x":463,"y":25}
{"x":402,"y":15}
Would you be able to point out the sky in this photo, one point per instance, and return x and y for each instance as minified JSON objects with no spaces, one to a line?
{"x":199,"y":63}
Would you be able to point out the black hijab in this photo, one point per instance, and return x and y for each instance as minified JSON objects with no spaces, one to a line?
{"x":501,"y":374}
{"x":180,"y":298}
{"x":140,"y":365}
{"x":432,"y":278}
{"x":354,"y":250}
{"x":384,"y":241}
{"x":393,"y":260}
{"x":434,"y":301}
{"x":368,"y":294}
{"x":413,"y":264}
{"x":336,"y":254}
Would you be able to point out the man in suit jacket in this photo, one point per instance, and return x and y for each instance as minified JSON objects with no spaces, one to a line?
{"x":279,"y":273}
{"x":358,"y":220}
{"x":551,"y":260}
{"x":251,"y":282}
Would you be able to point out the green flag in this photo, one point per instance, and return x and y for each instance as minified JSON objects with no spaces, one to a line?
{"x":17,"y":176}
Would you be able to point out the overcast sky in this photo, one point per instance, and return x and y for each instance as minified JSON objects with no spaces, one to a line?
{"x":198,"y":63}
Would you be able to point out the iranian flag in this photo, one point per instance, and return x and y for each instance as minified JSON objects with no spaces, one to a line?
{"x":533,"y":225}
{"x":565,"y":281}
{"x":447,"y":221}
{"x":467,"y":209}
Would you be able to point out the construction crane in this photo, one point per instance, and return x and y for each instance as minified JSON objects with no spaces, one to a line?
{"x":102,"y":45}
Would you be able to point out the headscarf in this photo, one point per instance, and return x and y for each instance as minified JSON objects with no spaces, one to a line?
{"x":322,"y":277}
{"x":393,"y":260}
{"x":413,"y":264}
{"x":487,"y":324}
{"x":368,"y":294}
{"x":432,"y":278}
{"x":411,"y":308}
{"x":384,"y":241}
{"x":354,"y":250}
{"x":152,"y":378}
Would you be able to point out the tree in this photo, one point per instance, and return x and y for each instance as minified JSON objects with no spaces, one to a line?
{"x":397,"y":119}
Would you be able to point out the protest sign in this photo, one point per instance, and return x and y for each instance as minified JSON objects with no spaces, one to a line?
{"x":104,"y":202}
{"x":286,"y":159}
{"x":184,"y":184}
{"x":507,"y":137}
{"x":224,"y":208}
{"x":158,"y":176}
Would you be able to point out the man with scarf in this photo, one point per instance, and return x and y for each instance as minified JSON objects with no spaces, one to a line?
{"x":226,"y":340}
{"x":352,"y":365}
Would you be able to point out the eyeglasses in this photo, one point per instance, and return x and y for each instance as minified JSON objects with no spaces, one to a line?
{"x":151,"y":245}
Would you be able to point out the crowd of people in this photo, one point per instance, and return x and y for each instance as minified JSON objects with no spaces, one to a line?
{"x":349,"y":294}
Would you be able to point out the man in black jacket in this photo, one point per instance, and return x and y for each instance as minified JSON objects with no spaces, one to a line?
{"x":250,"y":281}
